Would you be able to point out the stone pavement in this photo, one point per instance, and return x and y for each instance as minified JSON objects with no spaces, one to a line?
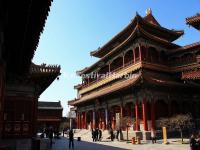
{"x":62,"y":144}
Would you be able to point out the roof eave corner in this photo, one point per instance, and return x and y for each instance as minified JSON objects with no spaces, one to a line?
{"x":78,"y":73}
{"x":71,"y":102}
{"x":93,"y":53}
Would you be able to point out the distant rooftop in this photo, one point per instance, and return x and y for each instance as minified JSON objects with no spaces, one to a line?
{"x":49,"y":105}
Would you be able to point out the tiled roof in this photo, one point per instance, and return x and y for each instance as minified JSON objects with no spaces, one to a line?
{"x":49,"y":105}
{"x":149,"y":21}
{"x":186,"y":48}
{"x":152,"y":79}
{"x":49,"y":120}
{"x":138,"y":31}
{"x":193,"y":19}
{"x":192,"y":75}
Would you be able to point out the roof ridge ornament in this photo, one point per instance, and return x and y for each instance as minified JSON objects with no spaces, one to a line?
{"x":148,"y":11}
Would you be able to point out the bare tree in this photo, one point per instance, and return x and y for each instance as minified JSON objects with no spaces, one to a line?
{"x":180,"y":122}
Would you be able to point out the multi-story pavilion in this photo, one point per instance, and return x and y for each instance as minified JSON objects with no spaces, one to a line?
{"x":149,"y":86}
{"x":21,"y":81}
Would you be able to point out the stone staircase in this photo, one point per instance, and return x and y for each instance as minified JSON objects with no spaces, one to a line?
{"x":87,"y":135}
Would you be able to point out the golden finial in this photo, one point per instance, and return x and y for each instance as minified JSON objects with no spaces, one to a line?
{"x":148,"y":11}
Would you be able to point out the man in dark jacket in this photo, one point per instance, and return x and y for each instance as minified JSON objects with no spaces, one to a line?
{"x":51,"y":136}
{"x":192,"y":142}
{"x":71,"y":139}
{"x":100,"y":135}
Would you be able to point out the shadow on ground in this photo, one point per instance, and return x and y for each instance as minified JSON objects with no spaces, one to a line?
{"x":62,"y":144}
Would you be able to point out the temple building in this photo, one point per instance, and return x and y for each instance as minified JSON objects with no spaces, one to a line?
{"x":194,"y":73}
{"x":21,"y":81}
{"x":194,"y":21}
{"x":49,"y":115}
{"x":140,"y":75}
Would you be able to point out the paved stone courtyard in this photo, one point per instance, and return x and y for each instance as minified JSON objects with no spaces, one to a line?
{"x":62,"y":144}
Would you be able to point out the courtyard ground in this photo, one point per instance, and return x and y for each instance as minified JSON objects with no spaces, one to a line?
{"x":62,"y":144}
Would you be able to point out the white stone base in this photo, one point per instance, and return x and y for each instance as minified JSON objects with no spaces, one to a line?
{"x":146,"y":135}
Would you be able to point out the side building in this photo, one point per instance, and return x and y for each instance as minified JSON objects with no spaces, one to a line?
{"x":138,"y":77}
{"x":49,"y":115}
{"x":21,"y":81}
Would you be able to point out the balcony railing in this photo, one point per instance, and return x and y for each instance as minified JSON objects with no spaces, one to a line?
{"x":122,"y":69}
{"x":113,"y":71}
{"x":182,"y":62}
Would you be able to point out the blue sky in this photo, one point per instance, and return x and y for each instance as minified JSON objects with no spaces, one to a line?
{"x":76,"y":27}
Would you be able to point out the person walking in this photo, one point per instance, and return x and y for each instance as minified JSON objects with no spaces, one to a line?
{"x":153,"y":136}
{"x":100,"y":134}
{"x":111,"y":134}
{"x":71,"y":139}
{"x":51,"y":136}
{"x":96,"y":134}
{"x":198,"y":143}
{"x":93,"y":135}
{"x":117,"y":135}
{"x":63,"y":132}
{"x":192,"y":142}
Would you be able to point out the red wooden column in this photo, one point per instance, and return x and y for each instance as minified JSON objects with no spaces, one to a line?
{"x":136,"y":117}
{"x":77,"y":120}
{"x":153,"y":115}
{"x":140,"y":52}
{"x":81,"y":120}
{"x":144,"y":111}
{"x":93,"y":120}
{"x":113,"y":119}
{"x":121,"y":114}
{"x":106,"y":118}
{"x":99,"y":119}
{"x":76,"y":123}
{"x":133,"y":56}
{"x":147,"y":54}
{"x":101,"y":123}
{"x":123,"y":60}
{"x":121,"y":111}
{"x":85,"y":115}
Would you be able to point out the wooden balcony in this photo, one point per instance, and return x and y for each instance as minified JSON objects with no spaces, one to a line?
{"x":131,"y":66}
{"x":117,"y":73}
{"x":182,"y":62}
